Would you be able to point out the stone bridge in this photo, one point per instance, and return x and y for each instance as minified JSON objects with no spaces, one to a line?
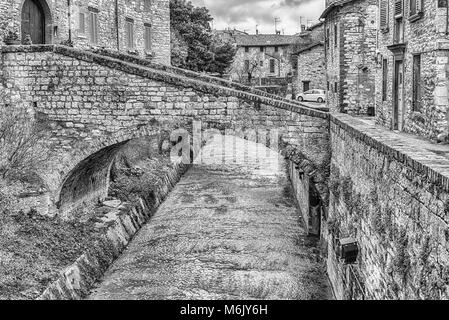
{"x":388,"y":191}
{"x":94,"y":102}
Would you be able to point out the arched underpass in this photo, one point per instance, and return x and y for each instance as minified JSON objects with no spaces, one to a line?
{"x":230,"y":229}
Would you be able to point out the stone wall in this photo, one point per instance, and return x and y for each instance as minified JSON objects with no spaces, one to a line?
{"x":157,"y":15}
{"x":93,"y":101}
{"x":426,"y":37}
{"x":350,"y":60}
{"x":392,"y":197}
{"x":311,"y":68}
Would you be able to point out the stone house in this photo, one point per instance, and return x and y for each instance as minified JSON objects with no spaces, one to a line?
{"x":350,"y":55}
{"x":309,"y":60}
{"x":311,"y":72}
{"x":134,"y":26}
{"x":412,"y":67}
{"x":261,"y":57}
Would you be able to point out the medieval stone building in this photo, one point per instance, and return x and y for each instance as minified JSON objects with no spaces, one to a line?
{"x":412,"y":74}
{"x":262,"y":56}
{"x":350,"y":50}
{"x":133,"y":26}
{"x":310,"y":67}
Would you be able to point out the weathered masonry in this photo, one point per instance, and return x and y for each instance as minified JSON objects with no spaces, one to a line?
{"x":134,"y":26}
{"x":350,"y":49}
{"x":412,"y":82}
{"x":352,"y":179}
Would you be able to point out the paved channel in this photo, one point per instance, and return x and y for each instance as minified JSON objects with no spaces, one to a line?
{"x":230,"y":229}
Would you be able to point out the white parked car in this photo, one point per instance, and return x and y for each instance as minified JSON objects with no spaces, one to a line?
{"x":316,"y":95}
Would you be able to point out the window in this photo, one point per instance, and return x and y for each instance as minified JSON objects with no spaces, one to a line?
{"x":272,"y":66}
{"x":383,"y":12}
{"x":246,"y":49}
{"x":327,"y":38}
{"x":261,"y":63}
{"x":147,"y":5}
{"x":246,"y":65}
{"x":147,"y":36}
{"x":384,"y":79}
{"x":276,"y":49}
{"x":398,"y":21}
{"x":415,"y":9}
{"x":82,"y":23}
{"x":261,"y":49}
{"x":335,"y":87}
{"x":129,"y":29}
{"x":328,"y":85}
{"x":416,"y":82}
{"x":93,"y":29}
{"x":305,"y":86}
{"x":335,"y":35}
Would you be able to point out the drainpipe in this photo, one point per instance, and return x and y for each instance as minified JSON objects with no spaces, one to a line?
{"x":117,"y":25}
{"x":70,"y":20}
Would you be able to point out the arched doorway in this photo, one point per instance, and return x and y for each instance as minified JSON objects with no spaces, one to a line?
{"x":36,"y":21}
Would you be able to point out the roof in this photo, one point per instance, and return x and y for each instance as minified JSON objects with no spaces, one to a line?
{"x":334,"y":5}
{"x":257,"y":40}
{"x":311,"y":46}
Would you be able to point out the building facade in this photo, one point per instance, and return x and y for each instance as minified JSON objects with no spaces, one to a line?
{"x":133,"y":26}
{"x":311,"y":72}
{"x":413,"y":62}
{"x":350,"y":55}
{"x":262,"y":56}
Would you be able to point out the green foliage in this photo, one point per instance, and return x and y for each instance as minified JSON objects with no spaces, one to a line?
{"x":193,"y":45}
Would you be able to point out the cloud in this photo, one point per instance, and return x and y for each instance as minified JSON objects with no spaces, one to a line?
{"x":246,"y":14}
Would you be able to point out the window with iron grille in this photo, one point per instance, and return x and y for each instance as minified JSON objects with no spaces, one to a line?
{"x":416,"y":94}
{"x":384,"y":79}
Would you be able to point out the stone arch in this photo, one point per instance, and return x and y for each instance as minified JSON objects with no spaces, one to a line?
{"x":47,"y":17}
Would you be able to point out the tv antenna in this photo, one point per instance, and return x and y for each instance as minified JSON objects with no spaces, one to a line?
{"x":276,"y":21}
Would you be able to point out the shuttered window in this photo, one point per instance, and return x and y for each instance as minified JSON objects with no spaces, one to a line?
{"x":383,"y":15}
{"x":398,"y":8}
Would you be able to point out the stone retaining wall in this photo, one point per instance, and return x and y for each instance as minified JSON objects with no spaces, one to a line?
{"x":119,"y":225}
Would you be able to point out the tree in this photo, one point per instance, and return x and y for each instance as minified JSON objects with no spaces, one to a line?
{"x":193,"y":44}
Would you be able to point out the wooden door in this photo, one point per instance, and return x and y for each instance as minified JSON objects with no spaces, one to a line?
{"x":398,"y":94}
{"x":33,"y":21}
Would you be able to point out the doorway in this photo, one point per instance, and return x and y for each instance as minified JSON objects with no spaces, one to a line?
{"x":33,"y":21}
{"x":398,"y":102}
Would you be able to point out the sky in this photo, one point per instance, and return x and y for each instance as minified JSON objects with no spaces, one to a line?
{"x":246,"y":14}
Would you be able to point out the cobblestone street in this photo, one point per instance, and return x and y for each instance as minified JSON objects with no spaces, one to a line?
{"x":227,"y":231}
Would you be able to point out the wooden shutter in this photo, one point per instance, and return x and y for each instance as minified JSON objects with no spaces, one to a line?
{"x":398,"y":8}
{"x":383,"y":14}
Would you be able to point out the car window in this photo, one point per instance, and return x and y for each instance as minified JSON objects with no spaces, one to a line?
{"x":314,"y":91}
{"x":308,"y":92}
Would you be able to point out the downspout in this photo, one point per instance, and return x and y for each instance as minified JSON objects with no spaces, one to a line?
{"x":117,"y":25}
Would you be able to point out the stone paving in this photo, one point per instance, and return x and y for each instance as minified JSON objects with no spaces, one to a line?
{"x":230,"y":229}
